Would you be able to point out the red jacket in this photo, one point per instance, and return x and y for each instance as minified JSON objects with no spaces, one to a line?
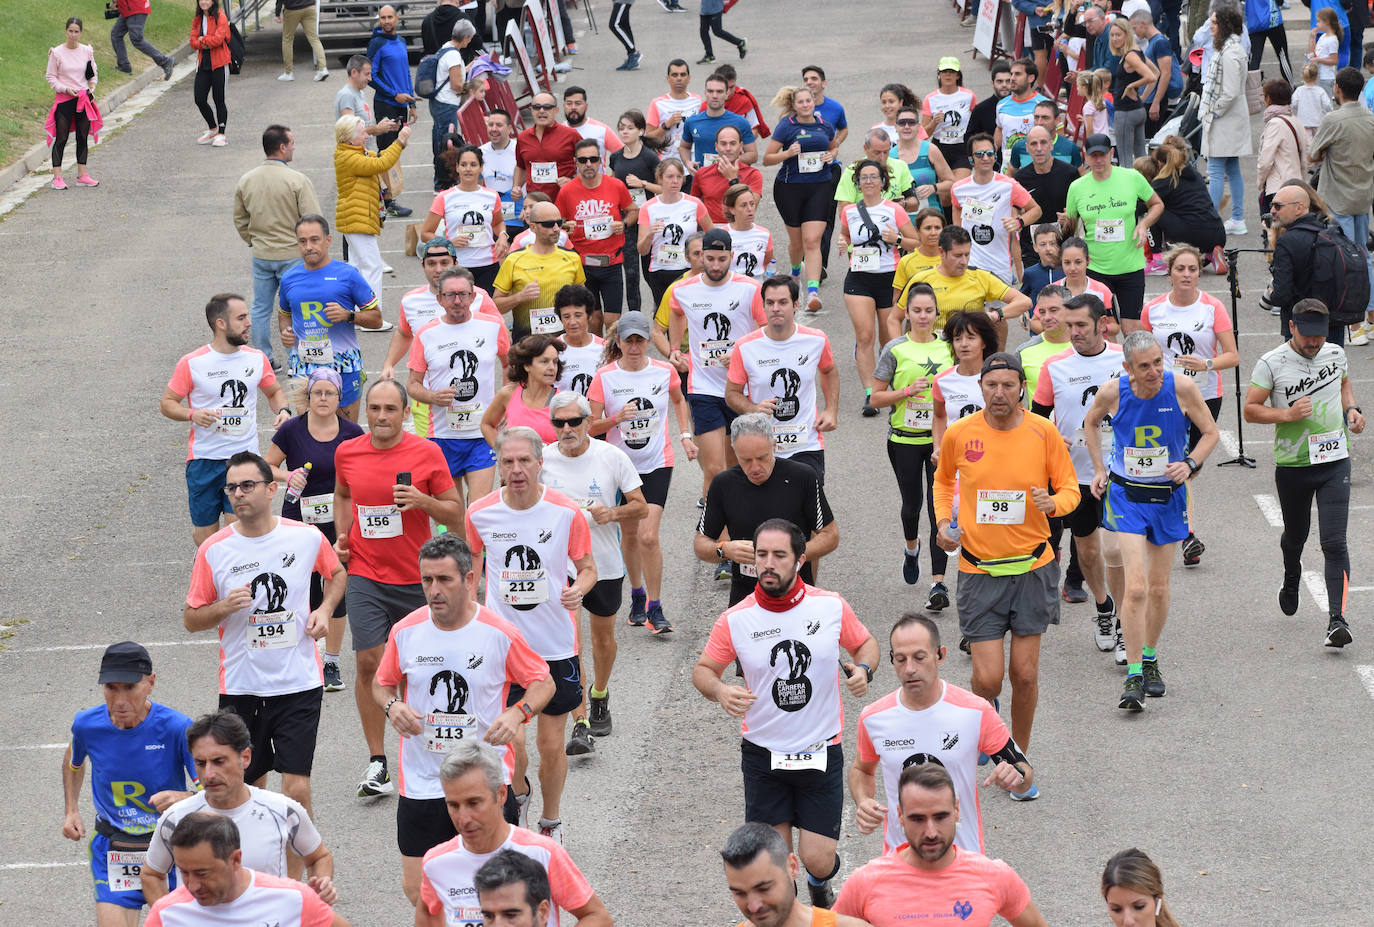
{"x":743,"y":103}
{"x":133,"y":7}
{"x":215,"y":39}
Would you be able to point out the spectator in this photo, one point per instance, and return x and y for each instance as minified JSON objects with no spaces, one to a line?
{"x":1310,"y":102}
{"x":1168,"y":84}
{"x":1283,"y":146}
{"x":1369,"y":84}
{"x":1344,"y":146}
{"x":437,"y":26}
{"x":1298,"y":215}
{"x":394,"y":96}
{"x":1039,"y":30}
{"x":1093,"y":89}
{"x":1264,"y":20}
{"x":1324,"y":46}
{"x":619,"y":22}
{"x":291,"y":14}
{"x":1189,"y":215}
{"x":1132,"y":76}
{"x":451,"y":75}
{"x":268,"y":201}
{"x":72,"y":76}
{"x":1226,"y":115}
{"x":1046,"y":179}
{"x":1202,"y":38}
{"x":357,"y":176}
{"x":210,"y":39}
{"x":133,"y":16}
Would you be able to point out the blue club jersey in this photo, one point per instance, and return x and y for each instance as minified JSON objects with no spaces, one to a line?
{"x":1148,"y":423}
{"x":304,"y":293}
{"x":129,"y":766}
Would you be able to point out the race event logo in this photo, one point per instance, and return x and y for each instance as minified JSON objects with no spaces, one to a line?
{"x":794,"y":692}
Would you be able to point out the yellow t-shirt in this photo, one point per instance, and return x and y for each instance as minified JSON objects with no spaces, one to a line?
{"x":663,"y":314}
{"x":910,"y":266}
{"x":968,"y":292}
{"x":551,"y":271}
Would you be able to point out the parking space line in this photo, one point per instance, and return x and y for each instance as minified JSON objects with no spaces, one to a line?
{"x":69,"y":647}
{"x":1359,"y":588}
{"x":40,"y":865}
{"x":1366,"y":674}
{"x":1228,"y":441}
{"x":1270,"y":507}
{"x":1316,"y":587}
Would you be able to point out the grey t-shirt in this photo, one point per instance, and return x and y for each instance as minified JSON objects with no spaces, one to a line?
{"x":348,"y":98}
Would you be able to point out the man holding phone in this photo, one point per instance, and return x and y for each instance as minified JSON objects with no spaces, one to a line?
{"x":389,"y":484}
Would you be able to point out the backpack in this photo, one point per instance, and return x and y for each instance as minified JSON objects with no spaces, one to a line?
{"x":1340,"y":275}
{"x":236,"y":50}
{"x":427,"y":76}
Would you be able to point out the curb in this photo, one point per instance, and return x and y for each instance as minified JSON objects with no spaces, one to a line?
{"x":38,"y":157}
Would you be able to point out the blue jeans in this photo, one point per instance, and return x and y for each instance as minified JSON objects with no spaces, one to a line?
{"x":133,"y":27}
{"x":1219,"y":171}
{"x":1356,"y":228}
{"x":266,"y":278}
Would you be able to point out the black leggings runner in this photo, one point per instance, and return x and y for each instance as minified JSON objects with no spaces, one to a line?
{"x":206,"y":83}
{"x":711,"y":24}
{"x":630,"y":253}
{"x":66,"y":114}
{"x":915,"y":473}
{"x":1329,"y":483}
{"x":620,"y":26}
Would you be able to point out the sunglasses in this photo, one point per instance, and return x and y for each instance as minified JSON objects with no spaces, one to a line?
{"x":543,"y":107}
{"x":985,"y":153}
{"x":588,"y":160}
{"x":573,"y":422}
{"x":906,"y":122}
{"x":547,"y":223}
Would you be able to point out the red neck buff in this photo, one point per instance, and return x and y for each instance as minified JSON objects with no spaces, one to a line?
{"x":785,"y":602}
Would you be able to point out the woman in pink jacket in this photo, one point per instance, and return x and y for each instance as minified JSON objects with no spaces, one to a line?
{"x":1283,"y":146}
{"x":210,"y":39}
{"x":72,"y":76}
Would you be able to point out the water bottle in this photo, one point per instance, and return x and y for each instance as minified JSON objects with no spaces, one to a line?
{"x":293,"y":496}
{"x":772,"y":267}
{"x":953,"y":529}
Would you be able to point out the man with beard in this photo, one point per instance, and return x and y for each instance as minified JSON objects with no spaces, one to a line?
{"x":929,"y":875}
{"x":791,"y":754}
{"x":575,"y":111}
{"x":761,"y":871}
{"x":983,"y":116}
{"x":394,"y":99}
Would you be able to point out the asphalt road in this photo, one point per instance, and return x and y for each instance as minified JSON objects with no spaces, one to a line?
{"x":1246,"y":782}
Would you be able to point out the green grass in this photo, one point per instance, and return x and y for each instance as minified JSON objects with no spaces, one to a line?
{"x":30,"y":27}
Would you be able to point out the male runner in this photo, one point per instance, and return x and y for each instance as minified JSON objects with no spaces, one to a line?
{"x":666,"y":113}
{"x":761,"y":871}
{"x":596,"y":207}
{"x":419,"y":307}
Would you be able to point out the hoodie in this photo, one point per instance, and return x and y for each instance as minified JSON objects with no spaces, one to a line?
{"x":390,"y":67}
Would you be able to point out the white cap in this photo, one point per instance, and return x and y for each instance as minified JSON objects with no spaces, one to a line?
{"x":1130,"y":6}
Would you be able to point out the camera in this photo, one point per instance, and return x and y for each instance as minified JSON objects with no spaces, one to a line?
{"x":111,"y":11}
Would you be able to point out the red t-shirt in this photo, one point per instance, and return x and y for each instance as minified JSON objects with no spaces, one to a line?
{"x":370,"y":475}
{"x":709,"y":185}
{"x":592,"y":209}
{"x":555,"y":147}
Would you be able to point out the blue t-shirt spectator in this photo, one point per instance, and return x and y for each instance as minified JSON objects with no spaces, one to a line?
{"x":1037,"y":276}
{"x":700,"y":130}
{"x":814,"y":137}
{"x":1156,"y":48}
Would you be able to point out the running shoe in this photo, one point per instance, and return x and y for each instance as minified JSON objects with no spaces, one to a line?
{"x":723,"y":572}
{"x":376,"y":780}
{"x":167,"y":69}
{"x":1133,"y":695}
{"x":285,"y":77}
{"x":637,"y":614}
{"x":1105,"y":636}
{"x":522,"y":807}
{"x":939,"y":597}
{"x":599,"y":715}
{"x":385,"y":327}
{"x":551,"y":829}
{"x":219,"y":141}
{"x":813,"y":300}
{"x":1338,"y":633}
{"x":1219,"y":261}
{"x":911,"y":565}
{"x":677,"y":8}
{"x":657,"y":622}
{"x":707,"y":59}
{"x":1154,"y":679}
{"x":1192,"y":550}
{"x":1074,"y":594}
{"x":964,"y":646}
{"x":580,"y":743}
{"x":1235,"y":227}
{"x":1119,"y":646}
{"x":59,"y":184}
{"x":742,"y":49}
{"x":1156,"y":267}
{"x":572,"y":48}
{"x":207,"y":137}
{"x":1288,"y":593}
{"x":667,"y":5}
{"x":333,"y":680}
{"x":868,"y":411}
{"x":1359,"y":336}
{"x":821,"y":895}
{"x":1030,"y":794}
{"x":632,"y":62}
{"x":396,"y":210}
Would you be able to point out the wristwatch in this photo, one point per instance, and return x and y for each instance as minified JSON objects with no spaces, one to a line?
{"x":352,"y":315}
{"x":1209,"y":363}
{"x":867,"y":669}
{"x":525,"y":710}
{"x":1193,"y":465}
{"x":720,"y":553}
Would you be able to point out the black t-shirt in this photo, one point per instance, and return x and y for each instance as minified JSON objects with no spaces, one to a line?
{"x":641,"y":166}
{"x":294,"y":440}
{"x":1050,"y":192}
{"x":736,"y":505}
{"x":1189,"y":200}
{"x":983,"y":118}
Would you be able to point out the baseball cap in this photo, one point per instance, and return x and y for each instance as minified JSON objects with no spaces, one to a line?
{"x":1003,"y":360}
{"x":1097,"y":143}
{"x":716,"y":240}
{"x":950,"y":63}
{"x":129,"y":662}
{"x":437,"y":243}
{"x":1131,"y":7}
{"x":632,"y":323}
{"x":1315,"y":320}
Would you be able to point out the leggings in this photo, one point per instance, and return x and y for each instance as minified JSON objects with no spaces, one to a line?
{"x":631,"y":265}
{"x":915,"y":473}
{"x":1279,"y":39}
{"x":711,"y":24}
{"x":659,"y":281}
{"x":1130,"y":134}
{"x":1329,"y":483}
{"x":65,"y":116}
{"x":620,"y":26}
{"x":206,"y":82}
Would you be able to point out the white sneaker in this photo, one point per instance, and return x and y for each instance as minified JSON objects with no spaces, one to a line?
{"x":1119,"y":650}
{"x":1105,"y":635}
{"x":376,"y":780}
{"x":562,"y":67}
{"x":388,"y":269}
{"x":552,"y":830}
{"x":1359,"y":337}
{"x":322,"y":74}
{"x":1235,"y":227}
{"x":219,"y":142}
{"x":285,"y":76}
{"x":207,"y":137}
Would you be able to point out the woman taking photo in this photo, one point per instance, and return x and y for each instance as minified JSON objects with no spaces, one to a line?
{"x":312,"y":438}
{"x":358,"y":179}
{"x":752,"y":244}
{"x":634,"y":165}
{"x":1133,"y":888}
{"x":472,"y":217}
{"x":664,"y":224}
{"x":902,"y":380}
{"x":533,"y":369}
{"x":72,"y":76}
{"x":929,"y":173}
{"x":210,"y":38}
{"x":804,"y":145}
{"x":1226,"y":115}
{"x":871,"y":231}
{"x":623,"y":410}
{"x":1133,"y":75}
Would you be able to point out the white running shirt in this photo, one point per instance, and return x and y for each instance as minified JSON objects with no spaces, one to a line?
{"x":465,"y":357}
{"x":717,"y":317}
{"x":788,"y":371}
{"x":594,"y":476}
{"x":268,"y":823}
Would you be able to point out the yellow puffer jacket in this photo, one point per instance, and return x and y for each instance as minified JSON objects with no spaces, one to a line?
{"x":357,"y":175}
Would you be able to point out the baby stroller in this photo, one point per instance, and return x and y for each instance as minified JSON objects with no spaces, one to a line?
{"x":1185,"y":122}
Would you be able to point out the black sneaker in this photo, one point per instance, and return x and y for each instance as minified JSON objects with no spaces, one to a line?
{"x":124,"y":68}
{"x":1338,"y":633}
{"x":396,"y":210}
{"x":723,"y":572}
{"x":667,"y":6}
{"x":821,"y":895}
{"x":1154,"y":680}
{"x":742,"y":50}
{"x":964,"y":646}
{"x":637,"y":615}
{"x":580,"y":743}
{"x":707,"y":59}
{"x":868,"y":410}
{"x":376,"y":780}
{"x":911,"y":565}
{"x":1133,"y":695}
{"x":657,"y":623}
{"x":333,"y":681}
{"x":1192,"y":550}
{"x":939,"y":597}
{"x":1074,"y":594}
{"x":599,"y":715}
{"x":167,"y":67}
{"x":1288,"y":593}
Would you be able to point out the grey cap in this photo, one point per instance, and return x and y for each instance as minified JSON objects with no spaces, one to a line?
{"x":633,"y":323}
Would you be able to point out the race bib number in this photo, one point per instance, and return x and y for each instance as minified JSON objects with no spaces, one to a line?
{"x":544,"y":172}
{"x":234,"y":422}
{"x":975,"y":209}
{"x":791,"y":762}
{"x":1182,"y":371}
{"x":465,"y":415}
{"x":597,"y":227}
{"x":1326,"y":447}
{"x":1146,"y":462}
{"x":318,"y":351}
{"x":810,"y":162}
{"x":462,"y":917}
{"x":477,"y":235}
{"x":524,"y":587}
{"x":669,"y":256}
{"x":1109,"y":231}
{"x":865,"y":258}
{"x":379,"y":521}
{"x":918,"y":415}
{"x":318,"y":510}
{"x":638,"y":196}
{"x":444,"y":729}
{"x":787,"y":438}
{"x":123,"y":870}
{"x":1001,"y":506}
{"x":273,"y":631}
{"x":507,"y":210}
{"x":641,"y":427}
{"x":748,"y":570}
{"x":545,"y":321}
{"x":716,"y":353}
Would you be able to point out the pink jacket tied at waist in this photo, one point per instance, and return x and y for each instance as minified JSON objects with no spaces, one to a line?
{"x":83,"y":102}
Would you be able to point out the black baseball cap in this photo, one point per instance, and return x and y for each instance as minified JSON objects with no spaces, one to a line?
{"x":1003,"y":360}
{"x":126,"y":662}
{"x":1315,"y":320}
{"x":716,"y":240}
{"x":1098,"y":143}
{"x":438,"y":244}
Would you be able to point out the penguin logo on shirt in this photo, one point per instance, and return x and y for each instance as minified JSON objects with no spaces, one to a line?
{"x":1180,"y":344}
{"x":788,"y":405}
{"x":747,"y":262}
{"x":237,"y":393}
{"x":718,"y":324}
{"x":640,"y":442}
{"x":275,"y":589}
{"x":982,"y":234}
{"x":581,"y":383}
{"x":456,"y":690}
{"x":919,"y":759}
{"x":794,"y":692}
{"x":967,"y":410}
{"x":520,"y":557}
{"x":472,"y":217}
{"x":673,"y":233}
{"x":465,"y":383}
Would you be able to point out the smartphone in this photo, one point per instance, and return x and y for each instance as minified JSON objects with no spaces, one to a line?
{"x":403,"y":479}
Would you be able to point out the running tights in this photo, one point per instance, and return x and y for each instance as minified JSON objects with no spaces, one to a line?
{"x":66,"y":115}
{"x":915,"y":473}
{"x":1329,"y":483}
{"x":206,"y":83}
{"x":620,"y":26}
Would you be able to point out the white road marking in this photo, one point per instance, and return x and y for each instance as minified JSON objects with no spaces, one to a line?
{"x":40,"y":865}
{"x":1359,"y":588}
{"x":1316,"y":585}
{"x":1228,"y":441}
{"x":34,"y":747}
{"x":1366,"y":674}
{"x":1270,"y":507}
{"x":70,"y":647}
